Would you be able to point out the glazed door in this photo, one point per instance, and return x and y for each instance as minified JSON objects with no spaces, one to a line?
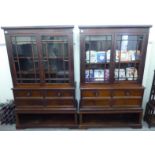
{"x":129,"y":51}
{"x":25,"y":58}
{"x":96,"y":53}
{"x":55,"y":58}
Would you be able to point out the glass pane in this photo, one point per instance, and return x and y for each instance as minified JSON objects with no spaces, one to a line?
{"x":98,"y":49}
{"x":55,"y":50}
{"x":23,"y":46}
{"x":128,"y":73}
{"x":97,"y":75}
{"x":55,"y":46}
{"x":54,"y":38}
{"x":55,"y":57}
{"x":26,"y":65}
{"x":98,"y":52}
{"x":56,"y":71}
{"x":128,"y":48}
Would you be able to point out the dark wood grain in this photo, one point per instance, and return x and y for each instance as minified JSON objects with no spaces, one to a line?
{"x":114,"y":103}
{"x":43,"y":104}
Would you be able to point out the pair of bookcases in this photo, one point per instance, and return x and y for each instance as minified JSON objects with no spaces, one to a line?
{"x":112,"y":60}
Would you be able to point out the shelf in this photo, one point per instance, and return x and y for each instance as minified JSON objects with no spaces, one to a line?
{"x":27,"y":72}
{"x":26,"y":57}
{"x":28,"y":79}
{"x":65,"y":59}
{"x":97,"y":63}
{"x":110,"y":120}
{"x":47,"y":120}
{"x":127,"y":62}
{"x":57,"y":79}
{"x":54,"y":41}
{"x":99,"y":82}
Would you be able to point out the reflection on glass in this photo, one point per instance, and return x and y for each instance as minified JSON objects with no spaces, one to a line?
{"x":128,"y":48}
{"x":97,"y":75}
{"x":128,"y":73}
{"x":55,"y":50}
{"x":24,"y":47}
{"x":98,"y":48}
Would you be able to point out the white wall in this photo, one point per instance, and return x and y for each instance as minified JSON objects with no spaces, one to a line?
{"x":84,"y":12}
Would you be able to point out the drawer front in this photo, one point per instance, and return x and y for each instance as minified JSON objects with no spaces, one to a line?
{"x":95,"y":93}
{"x":126,"y":102}
{"x":27,"y":103}
{"x":60,"y":103}
{"x":128,"y":92}
{"x":59,"y":93}
{"x":28,"y":93}
{"x":96,"y":103}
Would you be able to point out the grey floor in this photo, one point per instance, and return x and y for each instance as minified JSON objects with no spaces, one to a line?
{"x":12,"y":128}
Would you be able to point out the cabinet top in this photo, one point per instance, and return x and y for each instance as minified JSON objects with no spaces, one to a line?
{"x":113,"y":26}
{"x":38,"y":27}
{"x":72,"y":26}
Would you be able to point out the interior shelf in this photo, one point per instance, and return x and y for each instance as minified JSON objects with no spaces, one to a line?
{"x":110,"y":120}
{"x":47,"y":120}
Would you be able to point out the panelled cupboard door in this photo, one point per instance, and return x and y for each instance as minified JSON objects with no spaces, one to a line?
{"x":96,"y":55}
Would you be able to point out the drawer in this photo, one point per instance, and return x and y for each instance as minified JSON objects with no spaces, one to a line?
{"x":59,"y":93}
{"x":60,"y":103}
{"x":96,"y":103}
{"x":96,"y":93}
{"x":28,"y":93}
{"x":126,"y":102}
{"x":27,"y":103}
{"x":128,"y":92}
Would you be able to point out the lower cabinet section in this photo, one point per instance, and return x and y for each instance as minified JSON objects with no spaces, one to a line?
{"x":115,"y":105}
{"x":57,"y":120}
{"x":46,"y":107}
{"x":110,"y":118}
{"x":84,"y":119}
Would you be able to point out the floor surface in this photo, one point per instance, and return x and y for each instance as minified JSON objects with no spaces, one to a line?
{"x":12,"y":128}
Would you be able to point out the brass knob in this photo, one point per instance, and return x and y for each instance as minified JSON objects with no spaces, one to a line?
{"x":127,"y":93}
{"x":96,"y":93}
{"x":59,"y":94}
{"x":29,"y":94}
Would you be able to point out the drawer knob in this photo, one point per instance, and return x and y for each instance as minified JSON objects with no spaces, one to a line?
{"x":59,"y":94}
{"x":29,"y":94}
{"x":96,"y":93}
{"x":127,"y":93}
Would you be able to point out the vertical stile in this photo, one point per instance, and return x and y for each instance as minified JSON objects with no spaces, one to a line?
{"x":47,"y":58}
{"x":18,"y":60}
{"x":33,"y":59}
